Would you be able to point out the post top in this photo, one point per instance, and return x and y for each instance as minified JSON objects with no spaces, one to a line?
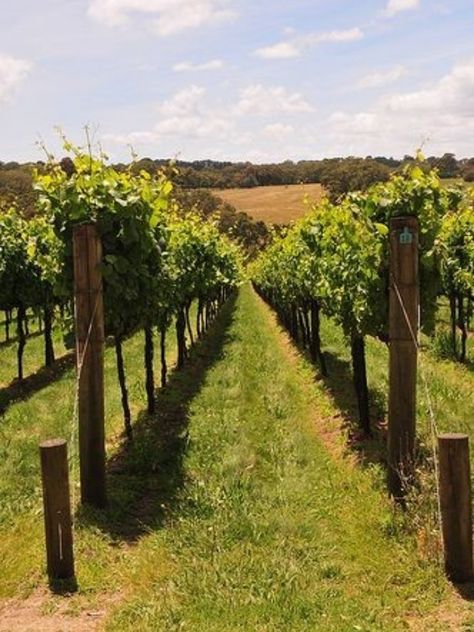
{"x":53,"y":443}
{"x":84,"y":229}
{"x":406,"y":220}
{"x":453,"y":436}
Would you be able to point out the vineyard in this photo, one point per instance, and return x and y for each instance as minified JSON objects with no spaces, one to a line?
{"x":245,"y":488}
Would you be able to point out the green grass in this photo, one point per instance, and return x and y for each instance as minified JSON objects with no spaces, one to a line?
{"x":229,"y":512}
{"x":33,"y":355}
{"x":444,"y":386}
{"x":45,"y":414}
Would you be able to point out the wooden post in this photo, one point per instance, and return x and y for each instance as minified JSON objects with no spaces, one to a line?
{"x":403,"y":332}
{"x":89,"y":317}
{"x":456,"y":507}
{"x":57,"y":509}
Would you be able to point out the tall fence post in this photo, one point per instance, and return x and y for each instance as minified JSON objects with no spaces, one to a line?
{"x":57,"y":509}
{"x":89,"y":318}
{"x":403,"y":331}
{"x":456,"y":505}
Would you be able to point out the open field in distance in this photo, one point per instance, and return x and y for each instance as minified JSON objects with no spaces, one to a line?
{"x":273,"y":204}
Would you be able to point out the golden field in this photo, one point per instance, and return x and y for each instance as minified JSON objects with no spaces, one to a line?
{"x":273,"y":204}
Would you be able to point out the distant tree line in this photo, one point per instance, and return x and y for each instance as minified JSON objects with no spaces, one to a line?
{"x":210,"y":174}
{"x":337,"y":175}
{"x":16,"y":186}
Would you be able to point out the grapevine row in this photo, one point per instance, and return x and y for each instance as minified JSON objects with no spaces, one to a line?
{"x":335,"y":260}
{"x":158,"y":259}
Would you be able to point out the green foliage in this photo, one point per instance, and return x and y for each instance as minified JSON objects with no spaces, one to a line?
{"x":456,"y":249}
{"x":29,"y":256}
{"x":154,"y":260}
{"x":251,"y":235}
{"x":338,"y":254}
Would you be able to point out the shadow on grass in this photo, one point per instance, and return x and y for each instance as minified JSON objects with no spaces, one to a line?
{"x":145,"y":476}
{"x":4,"y":344}
{"x":465,"y":591}
{"x":339,"y":381}
{"x":19,"y":391}
{"x":442,"y":348}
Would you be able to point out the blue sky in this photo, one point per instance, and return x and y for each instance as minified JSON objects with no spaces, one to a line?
{"x":239,"y":80}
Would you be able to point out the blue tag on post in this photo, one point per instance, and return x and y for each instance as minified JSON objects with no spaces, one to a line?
{"x":406,"y":237}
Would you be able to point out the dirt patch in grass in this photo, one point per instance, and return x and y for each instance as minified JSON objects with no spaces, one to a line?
{"x":39,"y":612}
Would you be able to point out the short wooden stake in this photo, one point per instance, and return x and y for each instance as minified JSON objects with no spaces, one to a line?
{"x":403,"y":331}
{"x":57,"y":509}
{"x":89,"y":317}
{"x":456,"y":507}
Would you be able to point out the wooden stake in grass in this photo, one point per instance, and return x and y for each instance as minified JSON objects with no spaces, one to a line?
{"x":456,"y":505}
{"x":403,"y":331}
{"x":89,"y":316}
{"x":57,"y":509}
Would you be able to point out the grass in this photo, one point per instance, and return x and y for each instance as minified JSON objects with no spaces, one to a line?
{"x":229,"y":512}
{"x":41,"y":415}
{"x":34,"y":354}
{"x":273,"y":204}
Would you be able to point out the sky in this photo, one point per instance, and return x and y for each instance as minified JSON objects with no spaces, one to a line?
{"x":238,"y":79}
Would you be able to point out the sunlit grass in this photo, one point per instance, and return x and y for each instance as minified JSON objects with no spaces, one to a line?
{"x":229,"y":512}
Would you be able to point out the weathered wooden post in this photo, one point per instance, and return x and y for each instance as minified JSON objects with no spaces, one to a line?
{"x":57,"y":509}
{"x":403,"y":331}
{"x":456,"y":505}
{"x":89,"y":318}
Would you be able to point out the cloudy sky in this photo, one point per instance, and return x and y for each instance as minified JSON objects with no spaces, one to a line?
{"x":238,"y":79}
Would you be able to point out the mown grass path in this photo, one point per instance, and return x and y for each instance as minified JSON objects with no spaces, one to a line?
{"x":271,"y":531}
{"x":235,"y":509}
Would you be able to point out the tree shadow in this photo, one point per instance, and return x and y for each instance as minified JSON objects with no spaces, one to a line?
{"x":24,"y":389}
{"x":369,"y":450}
{"x":145,"y":476}
{"x":4,"y":344}
{"x":465,"y":591}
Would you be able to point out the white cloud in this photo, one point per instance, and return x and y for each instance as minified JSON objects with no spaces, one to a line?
{"x":283,"y":50}
{"x":183,"y":102}
{"x":165,"y":17}
{"x":190,"y":118}
{"x":349,"y":35}
{"x":296,"y":45}
{"x":184,"y":116}
{"x":186,"y":66}
{"x":397,"y":6}
{"x":382,"y":78}
{"x":442,"y":113}
{"x":12,"y":72}
{"x":278,"y":131}
{"x":259,"y":99}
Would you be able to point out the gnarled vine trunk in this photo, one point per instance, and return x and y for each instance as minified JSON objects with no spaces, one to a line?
{"x":316,"y":351}
{"x":188,"y":324}
{"x":149,"y":373}
{"x":20,"y":322}
{"x":127,"y":417}
{"x":462,"y":324}
{"x":164,"y":366}
{"x":359,"y":369}
{"x":452,"y":310}
{"x":181,"y":337}
{"x":48,"y":336}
